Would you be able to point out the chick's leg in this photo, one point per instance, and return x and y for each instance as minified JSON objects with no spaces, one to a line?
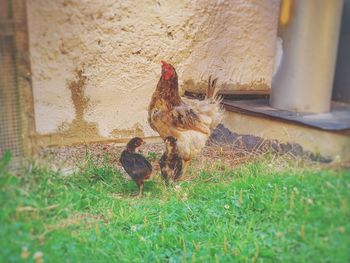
{"x":140,"y":186}
{"x":139,"y":189}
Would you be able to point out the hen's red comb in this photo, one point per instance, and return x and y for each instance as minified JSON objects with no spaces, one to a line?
{"x":164,"y":63}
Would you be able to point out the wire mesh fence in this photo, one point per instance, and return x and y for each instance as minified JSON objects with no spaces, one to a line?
{"x":10,"y":116}
{"x":12,"y":123}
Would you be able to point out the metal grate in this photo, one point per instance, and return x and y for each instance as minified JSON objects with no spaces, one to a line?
{"x":12,"y":124}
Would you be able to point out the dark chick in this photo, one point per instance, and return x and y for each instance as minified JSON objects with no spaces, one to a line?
{"x":135,"y":164}
{"x":171,"y":162}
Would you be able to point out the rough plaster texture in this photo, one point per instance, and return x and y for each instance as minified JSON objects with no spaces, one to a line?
{"x":114,"y":47}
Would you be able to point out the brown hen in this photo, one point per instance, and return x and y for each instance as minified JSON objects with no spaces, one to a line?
{"x":190,"y":121}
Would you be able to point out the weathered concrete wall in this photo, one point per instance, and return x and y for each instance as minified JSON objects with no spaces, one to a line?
{"x":96,"y":63}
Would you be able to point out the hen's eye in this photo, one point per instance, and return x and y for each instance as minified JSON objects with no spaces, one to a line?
{"x":155,"y":113}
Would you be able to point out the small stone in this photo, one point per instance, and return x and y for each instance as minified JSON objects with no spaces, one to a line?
{"x":38,"y":257}
{"x":341,"y":229}
{"x":279,"y":234}
{"x":295,"y":190}
{"x":177,"y":187}
{"x":25,"y":253}
{"x":309,"y":201}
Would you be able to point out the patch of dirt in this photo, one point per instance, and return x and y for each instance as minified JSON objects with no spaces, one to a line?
{"x":68,"y":158}
{"x":225,"y":147}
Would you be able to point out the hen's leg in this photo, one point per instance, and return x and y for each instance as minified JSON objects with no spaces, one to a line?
{"x":185,"y":165}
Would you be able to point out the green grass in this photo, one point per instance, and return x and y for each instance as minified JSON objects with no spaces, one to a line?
{"x":257,"y":212}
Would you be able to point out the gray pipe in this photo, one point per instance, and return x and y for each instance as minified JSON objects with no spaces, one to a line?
{"x":310,"y":33}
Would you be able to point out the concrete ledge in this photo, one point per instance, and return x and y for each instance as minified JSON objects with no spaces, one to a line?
{"x":334,"y":145}
{"x":338,"y":119}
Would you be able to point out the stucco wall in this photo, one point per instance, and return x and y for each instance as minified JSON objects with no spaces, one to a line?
{"x":96,"y":63}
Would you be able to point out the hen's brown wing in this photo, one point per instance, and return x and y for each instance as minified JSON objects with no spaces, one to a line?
{"x":181,"y":118}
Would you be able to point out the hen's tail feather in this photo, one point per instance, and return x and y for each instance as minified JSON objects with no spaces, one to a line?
{"x":212,"y":89}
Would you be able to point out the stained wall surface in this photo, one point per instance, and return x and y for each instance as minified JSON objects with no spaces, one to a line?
{"x":96,"y":63}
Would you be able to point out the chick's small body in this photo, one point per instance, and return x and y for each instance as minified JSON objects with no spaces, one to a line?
{"x":136,"y":165}
{"x":171,"y":163}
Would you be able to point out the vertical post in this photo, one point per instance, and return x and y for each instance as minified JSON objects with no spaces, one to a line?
{"x":341,"y":89}
{"x":24,"y":80}
{"x":310,"y":32}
